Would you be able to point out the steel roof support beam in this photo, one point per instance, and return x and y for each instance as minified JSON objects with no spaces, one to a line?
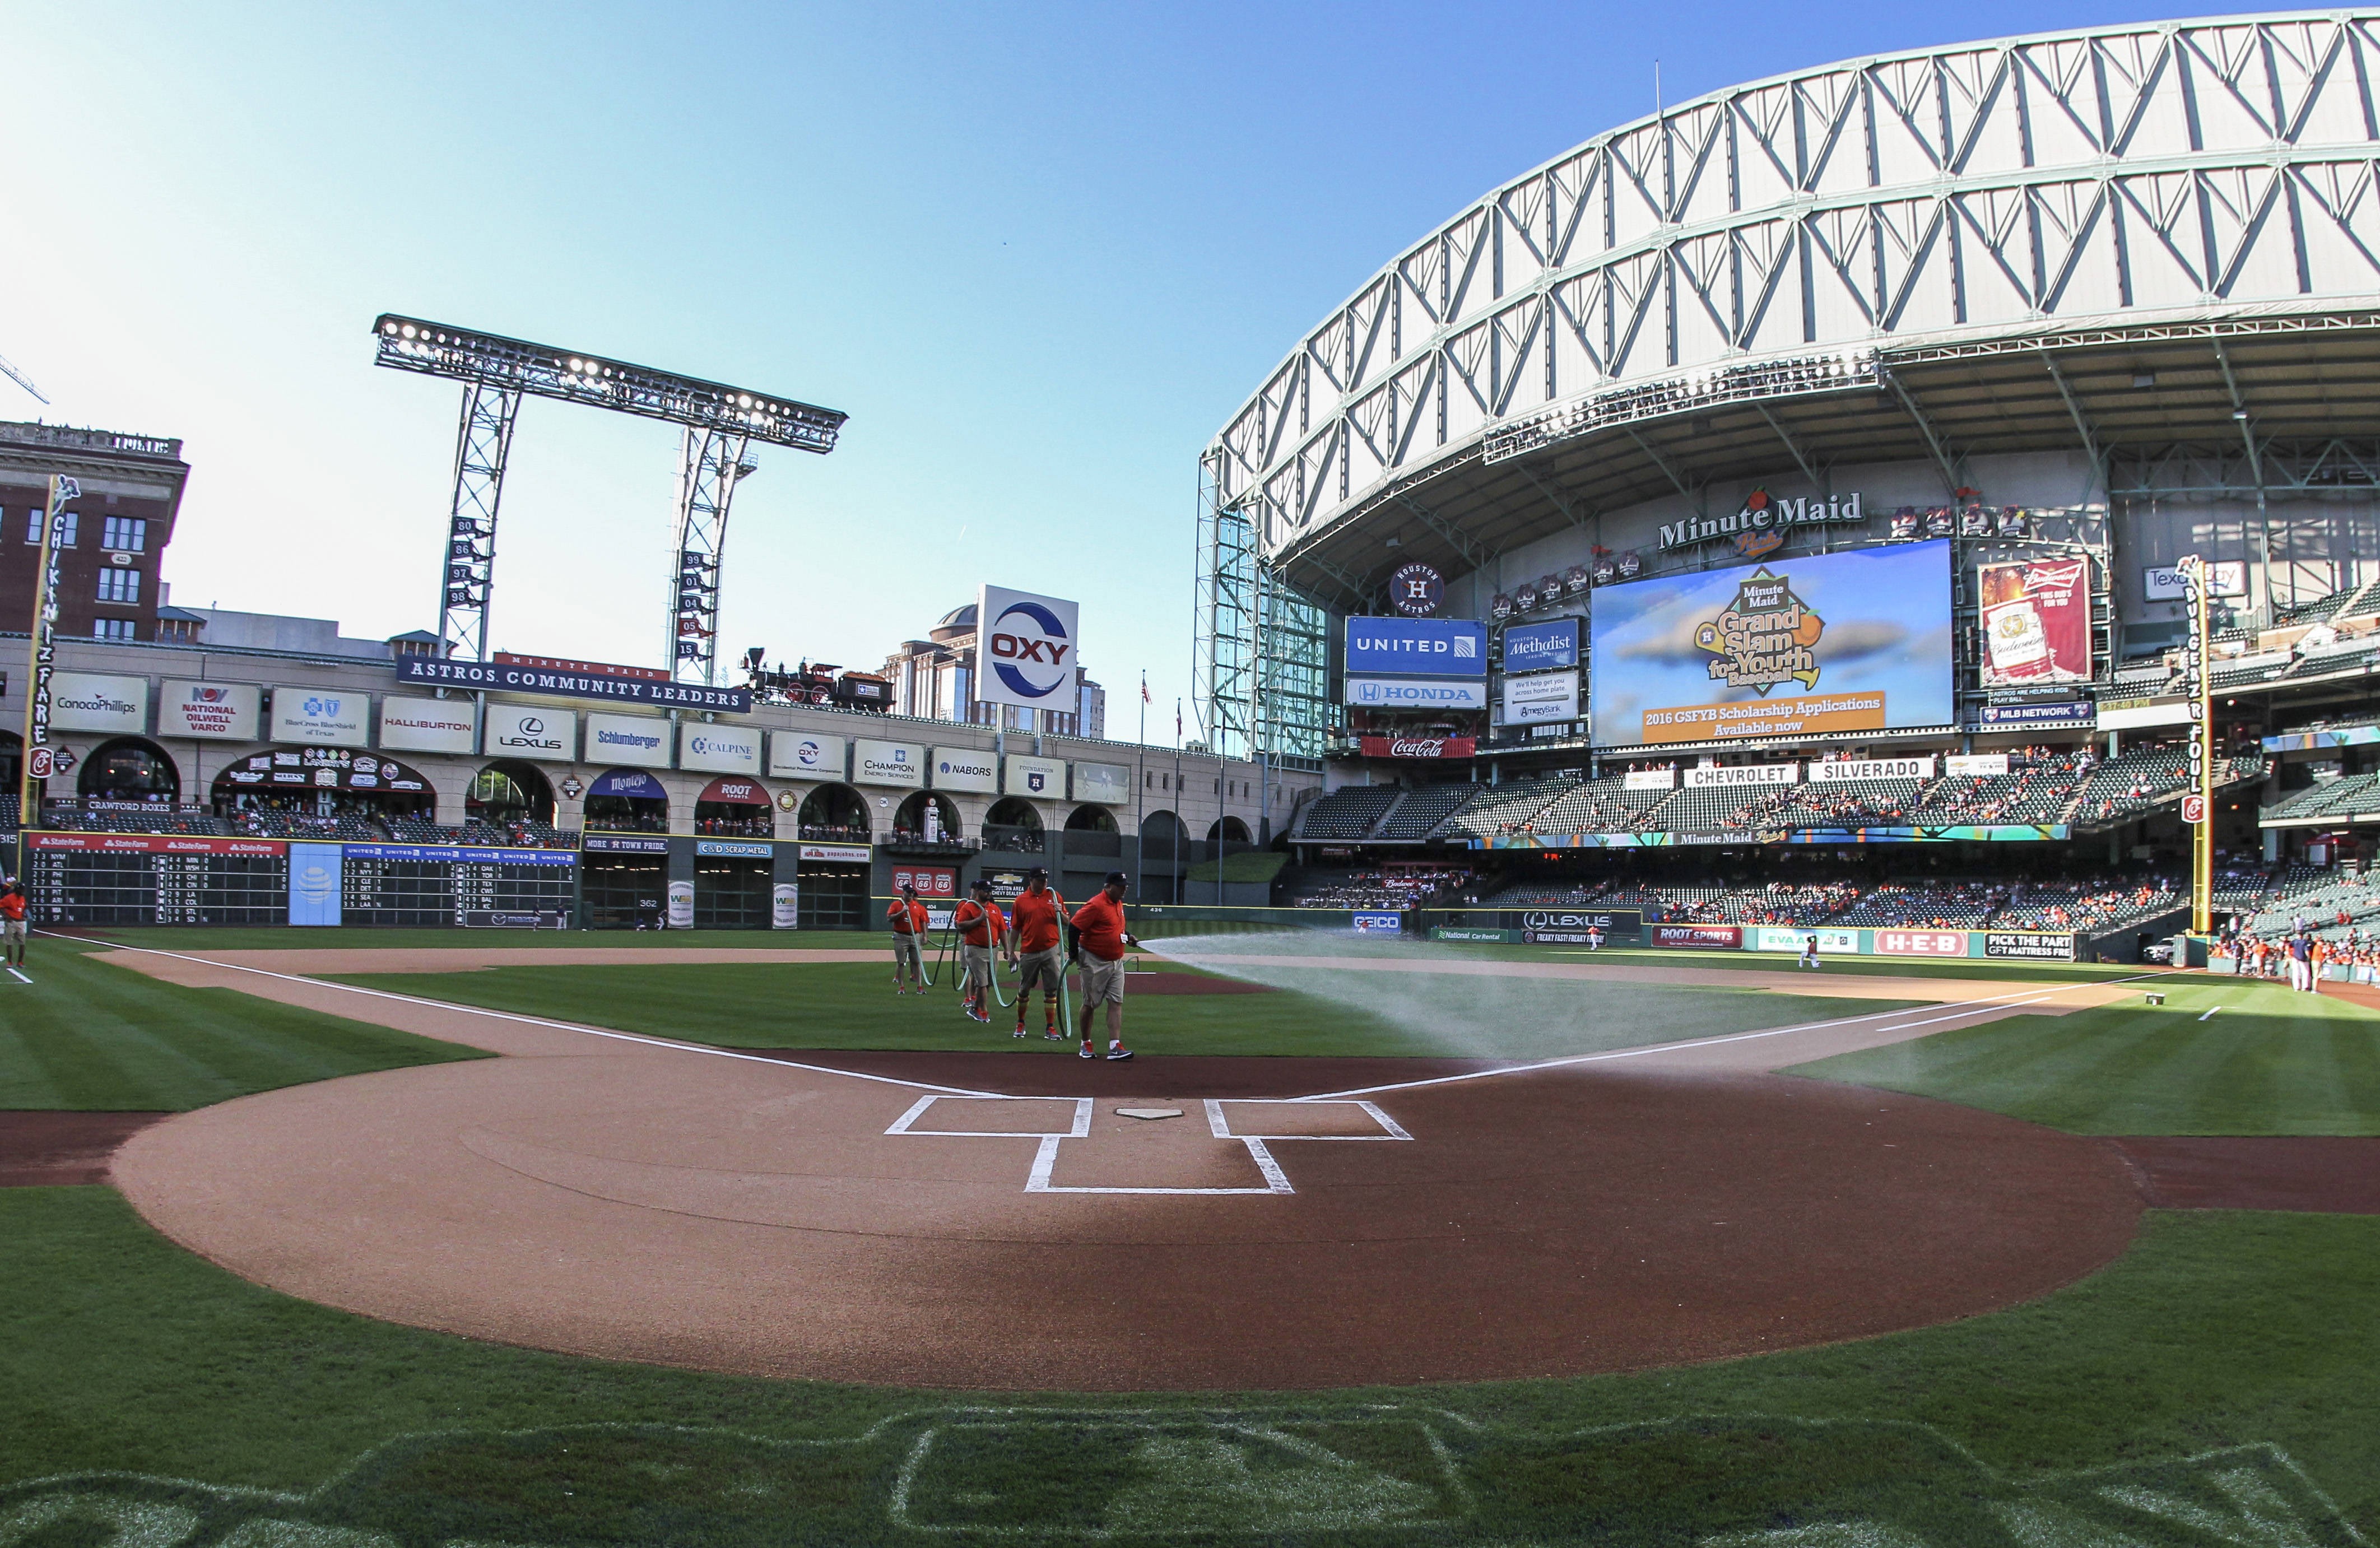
{"x":1353,"y":589}
{"x":1472,"y":554}
{"x":1570,"y":513}
{"x":1810,"y":470}
{"x":1951,"y":483}
{"x":2255,"y":471}
{"x":1692,"y":492}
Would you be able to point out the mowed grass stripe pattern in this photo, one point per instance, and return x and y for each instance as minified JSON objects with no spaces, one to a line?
{"x":2271,"y":1062}
{"x":1314,"y":1010}
{"x":2219,"y":1329}
{"x":93,"y":1036}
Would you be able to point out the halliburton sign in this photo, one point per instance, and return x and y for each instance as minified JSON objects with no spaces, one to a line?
{"x":1420,"y":747}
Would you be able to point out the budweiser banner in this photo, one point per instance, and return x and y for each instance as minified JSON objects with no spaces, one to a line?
{"x":2036,"y":622}
{"x":1418,"y":747}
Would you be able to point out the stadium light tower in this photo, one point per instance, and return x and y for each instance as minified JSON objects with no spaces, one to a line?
{"x":719,"y":425}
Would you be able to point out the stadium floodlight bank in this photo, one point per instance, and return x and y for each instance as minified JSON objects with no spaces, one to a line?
{"x":2104,"y":296}
{"x":720,"y":423}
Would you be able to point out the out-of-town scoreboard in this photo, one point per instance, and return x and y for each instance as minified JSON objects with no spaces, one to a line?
{"x":107,"y":878}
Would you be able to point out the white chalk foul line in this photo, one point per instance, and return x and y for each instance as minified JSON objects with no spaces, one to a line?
{"x":18,"y":977}
{"x":2210,"y":1013}
{"x":527,"y":1020}
{"x":1958,"y":1011}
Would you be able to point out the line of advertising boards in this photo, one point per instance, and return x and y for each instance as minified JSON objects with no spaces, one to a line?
{"x":1628,"y":927}
{"x":101,"y":704}
{"x":1815,"y":645}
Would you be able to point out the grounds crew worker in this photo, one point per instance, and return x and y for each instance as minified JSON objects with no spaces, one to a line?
{"x":1034,"y":916}
{"x":908,"y":917}
{"x":978,"y":923}
{"x":12,"y":921}
{"x":1101,"y":938}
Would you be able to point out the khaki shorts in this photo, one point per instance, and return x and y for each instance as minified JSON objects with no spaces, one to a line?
{"x":976,"y":960}
{"x":12,"y":929}
{"x":904,"y":954}
{"x":1102,"y":981}
{"x":1047,"y":968}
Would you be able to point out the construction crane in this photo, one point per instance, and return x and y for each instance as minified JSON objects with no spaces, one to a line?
{"x":21,"y":379}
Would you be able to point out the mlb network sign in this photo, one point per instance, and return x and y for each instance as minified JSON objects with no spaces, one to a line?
{"x":1026,"y":649}
{"x":1417,"y":648}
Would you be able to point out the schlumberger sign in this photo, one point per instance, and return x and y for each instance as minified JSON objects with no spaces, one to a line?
{"x":1760,"y":527}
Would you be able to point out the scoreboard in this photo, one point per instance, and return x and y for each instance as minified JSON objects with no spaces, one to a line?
{"x":451,"y":884}
{"x":112,"y":878}
{"x":105,"y":878}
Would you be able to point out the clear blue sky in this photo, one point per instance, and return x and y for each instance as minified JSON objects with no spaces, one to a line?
{"x":1038,"y":254}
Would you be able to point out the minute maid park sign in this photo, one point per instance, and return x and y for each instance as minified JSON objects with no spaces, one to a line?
{"x":1760,"y":527}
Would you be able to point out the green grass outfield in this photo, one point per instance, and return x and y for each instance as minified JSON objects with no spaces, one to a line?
{"x":852,"y":1006}
{"x":2228,"y":1366}
{"x":91,"y":1036}
{"x":2221,"y":1055}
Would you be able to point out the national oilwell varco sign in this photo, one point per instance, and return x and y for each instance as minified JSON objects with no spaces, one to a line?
{"x":1760,"y":527}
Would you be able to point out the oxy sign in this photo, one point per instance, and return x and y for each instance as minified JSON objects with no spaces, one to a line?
{"x":529,"y":731}
{"x":1026,"y":650}
{"x":805,"y":755}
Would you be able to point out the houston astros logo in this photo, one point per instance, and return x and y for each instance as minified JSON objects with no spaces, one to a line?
{"x":1028,"y":648}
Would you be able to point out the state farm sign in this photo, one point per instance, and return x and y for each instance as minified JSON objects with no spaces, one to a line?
{"x":1420,"y":747}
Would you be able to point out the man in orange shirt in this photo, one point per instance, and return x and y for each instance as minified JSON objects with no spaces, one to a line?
{"x":12,"y":921}
{"x":1100,"y":933}
{"x":1034,"y":919}
{"x":908,"y":917}
{"x":978,"y":923}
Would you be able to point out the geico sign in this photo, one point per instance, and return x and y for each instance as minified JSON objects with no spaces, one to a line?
{"x":1028,"y":648}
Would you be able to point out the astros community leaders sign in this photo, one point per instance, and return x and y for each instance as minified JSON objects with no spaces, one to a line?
{"x":513,"y":678}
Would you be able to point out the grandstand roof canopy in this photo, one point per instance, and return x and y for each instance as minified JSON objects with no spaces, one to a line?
{"x":2159,"y":245}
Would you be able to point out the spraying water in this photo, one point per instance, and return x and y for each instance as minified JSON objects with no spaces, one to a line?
{"x":1452,"y":1001}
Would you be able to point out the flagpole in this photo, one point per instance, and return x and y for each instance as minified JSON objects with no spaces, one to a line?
{"x":1139,"y":796}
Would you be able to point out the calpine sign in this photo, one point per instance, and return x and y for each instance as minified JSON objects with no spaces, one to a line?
{"x":1760,"y":527}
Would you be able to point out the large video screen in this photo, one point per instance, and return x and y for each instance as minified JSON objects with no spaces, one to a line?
{"x":1827,"y":644}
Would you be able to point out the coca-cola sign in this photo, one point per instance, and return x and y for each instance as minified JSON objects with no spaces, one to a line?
{"x":1420,"y":747}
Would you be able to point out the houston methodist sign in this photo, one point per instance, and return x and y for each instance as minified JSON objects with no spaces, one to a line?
{"x":1026,"y":649}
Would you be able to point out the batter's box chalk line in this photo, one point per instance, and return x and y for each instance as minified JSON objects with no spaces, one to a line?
{"x":1219,"y":1124}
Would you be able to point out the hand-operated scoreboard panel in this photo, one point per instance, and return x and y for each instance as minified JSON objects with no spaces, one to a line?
{"x":95,"y":878}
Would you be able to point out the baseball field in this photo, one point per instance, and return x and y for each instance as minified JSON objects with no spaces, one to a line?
{"x":377,"y":1239}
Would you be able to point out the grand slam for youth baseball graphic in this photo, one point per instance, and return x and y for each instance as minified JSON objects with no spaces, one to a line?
{"x":1836,"y":642}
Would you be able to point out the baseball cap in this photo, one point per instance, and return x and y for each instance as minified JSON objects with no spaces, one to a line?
{"x":979,"y":884}
{"x":1115,"y":876}
{"x":909,"y":886}
{"x":1038,"y":873}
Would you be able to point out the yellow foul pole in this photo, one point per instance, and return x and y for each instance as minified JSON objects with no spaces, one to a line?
{"x":2198,"y":802}
{"x":40,"y":658}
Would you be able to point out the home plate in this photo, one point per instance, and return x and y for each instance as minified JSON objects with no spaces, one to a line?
{"x":1149,"y":1112}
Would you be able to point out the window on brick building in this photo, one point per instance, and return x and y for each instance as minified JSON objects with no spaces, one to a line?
{"x":119,"y":583}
